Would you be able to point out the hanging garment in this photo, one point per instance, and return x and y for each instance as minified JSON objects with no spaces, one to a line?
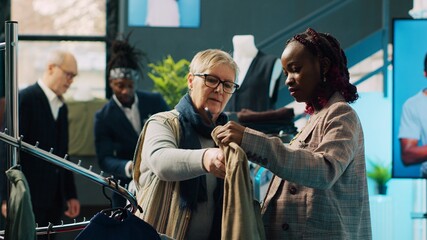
{"x":127,"y":227}
{"x":20,"y":223}
{"x":241,"y":217}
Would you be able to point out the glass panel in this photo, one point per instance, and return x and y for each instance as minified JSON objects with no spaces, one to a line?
{"x":91,"y":61}
{"x":64,"y":17}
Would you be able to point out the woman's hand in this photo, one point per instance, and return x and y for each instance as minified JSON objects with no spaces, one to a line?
{"x":230,"y":132}
{"x":214,"y":162}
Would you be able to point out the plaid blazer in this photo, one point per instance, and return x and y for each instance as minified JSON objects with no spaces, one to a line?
{"x":319,"y":190}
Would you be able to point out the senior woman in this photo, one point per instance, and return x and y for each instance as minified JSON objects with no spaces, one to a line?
{"x":180,"y":156}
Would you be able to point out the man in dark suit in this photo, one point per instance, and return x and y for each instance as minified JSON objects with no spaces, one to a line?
{"x":43,"y":119}
{"x":118,"y":124}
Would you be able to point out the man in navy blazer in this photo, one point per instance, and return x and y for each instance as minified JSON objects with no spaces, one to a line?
{"x":43,"y":119}
{"x":118,"y":124}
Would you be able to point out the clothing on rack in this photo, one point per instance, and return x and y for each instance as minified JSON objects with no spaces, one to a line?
{"x":117,"y":223}
{"x":63,"y":163}
{"x":70,"y":166}
{"x":20,"y":222}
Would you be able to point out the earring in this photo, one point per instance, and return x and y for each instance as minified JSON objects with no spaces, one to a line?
{"x":324,"y":79}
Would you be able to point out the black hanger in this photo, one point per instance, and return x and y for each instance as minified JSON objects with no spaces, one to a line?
{"x":118,"y":213}
{"x":105,"y":194}
{"x":49,"y":229}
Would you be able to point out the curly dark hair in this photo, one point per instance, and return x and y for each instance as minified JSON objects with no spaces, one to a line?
{"x":124,"y":55}
{"x":337,"y":79}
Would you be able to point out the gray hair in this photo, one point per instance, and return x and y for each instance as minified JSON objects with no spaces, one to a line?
{"x":212,"y":58}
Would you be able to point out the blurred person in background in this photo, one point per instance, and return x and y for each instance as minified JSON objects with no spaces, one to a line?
{"x":118,"y":124}
{"x":43,"y":119}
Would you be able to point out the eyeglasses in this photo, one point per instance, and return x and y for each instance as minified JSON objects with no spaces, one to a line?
{"x":213,"y":82}
{"x":68,"y":75}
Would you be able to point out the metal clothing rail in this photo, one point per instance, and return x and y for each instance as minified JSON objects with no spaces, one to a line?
{"x":51,"y":229}
{"x":76,"y":168}
{"x":11,"y":86}
{"x":16,"y":145}
{"x":69,"y":227}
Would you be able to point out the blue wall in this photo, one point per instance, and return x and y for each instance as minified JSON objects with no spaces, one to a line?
{"x":375,"y":113}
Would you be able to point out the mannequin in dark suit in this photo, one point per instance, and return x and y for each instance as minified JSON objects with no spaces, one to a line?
{"x":259,"y":75}
{"x":43,"y":118}
{"x":119,"y":122}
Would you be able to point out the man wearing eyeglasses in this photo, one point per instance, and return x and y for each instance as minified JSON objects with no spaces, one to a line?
{"x":43,"y":119}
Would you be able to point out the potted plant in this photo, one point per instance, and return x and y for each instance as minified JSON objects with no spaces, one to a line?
{"x":381,"y":174}
{"x":170,"y":79}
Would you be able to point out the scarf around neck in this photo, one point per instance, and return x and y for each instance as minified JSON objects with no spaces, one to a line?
{"x":192,"y":125}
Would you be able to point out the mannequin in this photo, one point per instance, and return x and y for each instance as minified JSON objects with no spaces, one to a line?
{"x":244,"y":52}
{"x":250,"y":60}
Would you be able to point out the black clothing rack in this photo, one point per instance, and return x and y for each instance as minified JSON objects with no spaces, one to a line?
{"x":51,"y":229}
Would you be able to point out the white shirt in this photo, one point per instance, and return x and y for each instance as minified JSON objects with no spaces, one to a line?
{"x":54,"y":101}
{"x":132,"y":113}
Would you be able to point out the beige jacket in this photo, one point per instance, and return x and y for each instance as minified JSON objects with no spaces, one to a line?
{"x":241,"y":218}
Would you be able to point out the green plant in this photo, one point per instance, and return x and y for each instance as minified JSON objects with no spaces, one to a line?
{"x":170,"y":79}
{"x":380,"y":172}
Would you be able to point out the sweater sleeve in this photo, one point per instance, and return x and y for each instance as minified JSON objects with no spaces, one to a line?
{"x":163,"y":157}
{"x":318,"y":163}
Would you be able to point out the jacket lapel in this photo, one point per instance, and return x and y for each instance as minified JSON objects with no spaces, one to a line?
{"x":300,"y":139}
{"x":121,"y":119}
